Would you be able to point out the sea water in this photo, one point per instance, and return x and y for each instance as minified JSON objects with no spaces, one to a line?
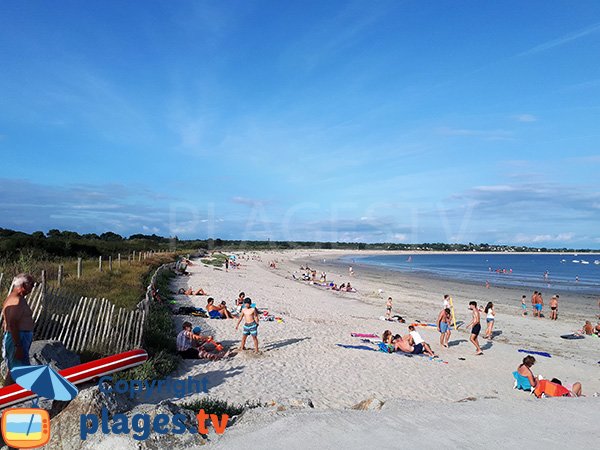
{"x":561,"y":272}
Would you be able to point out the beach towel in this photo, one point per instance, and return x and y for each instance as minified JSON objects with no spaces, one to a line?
{"x":385,"y":348}
{"x":531,"y":352}
{"x":572,"y":336}
{"x":356,"y":347}
{"x":521,"y":382}
{"x":364,"y":335}
{"x":546,"y":388}
{"x":214,"y":314}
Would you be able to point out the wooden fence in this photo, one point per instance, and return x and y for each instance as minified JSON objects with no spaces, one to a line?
{"x":90,"y":324}
{"x":83,"y":323}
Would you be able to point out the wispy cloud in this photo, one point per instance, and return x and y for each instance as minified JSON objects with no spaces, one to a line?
{"x":543,"y":238}
{"x":525,"y":118}
{"x":248,"y":201}
{"x":562,"y":40}
{"x":493,"y":135}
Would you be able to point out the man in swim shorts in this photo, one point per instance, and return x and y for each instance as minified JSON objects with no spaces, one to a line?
{"x":539,"y":305}
{"x":388,"y":308}
{"x":476,"y":327}
{"x":443,"y":325}
{"x":250,"y":318}
{"x":18,"y":325}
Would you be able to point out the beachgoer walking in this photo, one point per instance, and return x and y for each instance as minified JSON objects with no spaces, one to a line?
{"x":443,"y":326}
{"x":534,"y":301}
{"x":388,"y":308}
{"x":18,"y":325}
{"x":490,"y":318}
{"x":524,"y":305}
{"x":475,"y":327}
{"x":250,"y":318}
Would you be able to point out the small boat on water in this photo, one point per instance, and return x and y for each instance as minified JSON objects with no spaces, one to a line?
{"x":597,"y":262}
{"x":584,"y":262}
{"x":576,"y":261}
{"x":563,"y":260}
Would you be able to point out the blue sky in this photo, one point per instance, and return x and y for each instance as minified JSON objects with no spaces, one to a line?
{"x":396,"y":121}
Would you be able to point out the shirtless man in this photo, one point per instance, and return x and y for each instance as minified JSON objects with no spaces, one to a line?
{"x":18,"y":325}
{"x":250,"y":317}
{"x":222,"y":309}
{"x":476,"y":327}
{"x":554,"y":307}
{"x":443,"y":326}
{"x":534,"y":303}
{"x":540,"y":304}
{"x":402,"y":345}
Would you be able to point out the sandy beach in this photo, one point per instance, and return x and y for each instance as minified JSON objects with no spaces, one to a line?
{"x":310,"y":372}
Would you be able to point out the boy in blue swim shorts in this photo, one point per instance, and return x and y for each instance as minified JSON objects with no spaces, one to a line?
{"x":250,"y":318}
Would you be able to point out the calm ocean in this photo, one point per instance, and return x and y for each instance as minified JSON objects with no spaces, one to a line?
{"x":502,"y":269}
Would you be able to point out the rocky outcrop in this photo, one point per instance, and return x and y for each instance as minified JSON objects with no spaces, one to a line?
{"x":52,"y":353}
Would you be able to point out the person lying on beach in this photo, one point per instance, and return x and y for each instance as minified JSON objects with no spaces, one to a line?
{"x":190,"y":291}
{"x":415,"y":339}
{"x":575,"y":389}
{"x":443,"y":326}
{"x":210,"y":306}
{"x":402,"y":345}
{"x":350,"y":288}
{"x":250,"y":317}
{"x":524,"y":369}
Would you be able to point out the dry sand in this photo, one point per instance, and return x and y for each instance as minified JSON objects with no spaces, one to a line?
{"x":465,"y":403}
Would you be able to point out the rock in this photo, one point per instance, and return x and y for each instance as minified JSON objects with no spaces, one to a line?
{"x":154,"y":441}
{"x":65,"y":427}
{"x":291,"y":403}
{"x":52,"y":353}
{"x":371,"y":404}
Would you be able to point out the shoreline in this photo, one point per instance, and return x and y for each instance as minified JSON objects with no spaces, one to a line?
{"x":309,"y":364}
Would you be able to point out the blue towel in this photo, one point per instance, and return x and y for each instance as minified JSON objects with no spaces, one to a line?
{"x":531,"y":352}
{"x":522,"y":382}
{"x":356,"y":347}
{"x":214,"y":314}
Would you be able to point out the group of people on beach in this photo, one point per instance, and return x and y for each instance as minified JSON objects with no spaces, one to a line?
{"x":412,"y":343}
{"x":192,"y":345}
{"x":537,"y":305}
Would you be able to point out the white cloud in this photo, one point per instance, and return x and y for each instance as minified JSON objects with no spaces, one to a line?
{"x":562,"y":40}
{"x":525,"y":118}
{"x":539,"y":238}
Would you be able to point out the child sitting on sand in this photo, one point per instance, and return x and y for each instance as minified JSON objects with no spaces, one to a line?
{"x":250,"y":317}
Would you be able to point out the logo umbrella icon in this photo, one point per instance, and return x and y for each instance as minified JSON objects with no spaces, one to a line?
{"x":45,"y":382}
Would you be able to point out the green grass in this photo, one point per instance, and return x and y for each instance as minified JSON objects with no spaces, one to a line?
{"x":217,"y":260}
{"x":219,"y":407}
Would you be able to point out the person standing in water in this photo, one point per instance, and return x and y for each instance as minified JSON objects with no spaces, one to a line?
{"x":475,"y":327}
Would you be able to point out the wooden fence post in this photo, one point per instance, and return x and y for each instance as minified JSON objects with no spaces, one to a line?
{"x":79,"y":267}
{"x":100,"y":263}
{"x":110,"y":263}
{"x":119,"y":259}
{"x":60,"y":275}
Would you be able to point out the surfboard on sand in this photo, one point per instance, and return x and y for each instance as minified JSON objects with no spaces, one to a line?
{"x":81,"y":373}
